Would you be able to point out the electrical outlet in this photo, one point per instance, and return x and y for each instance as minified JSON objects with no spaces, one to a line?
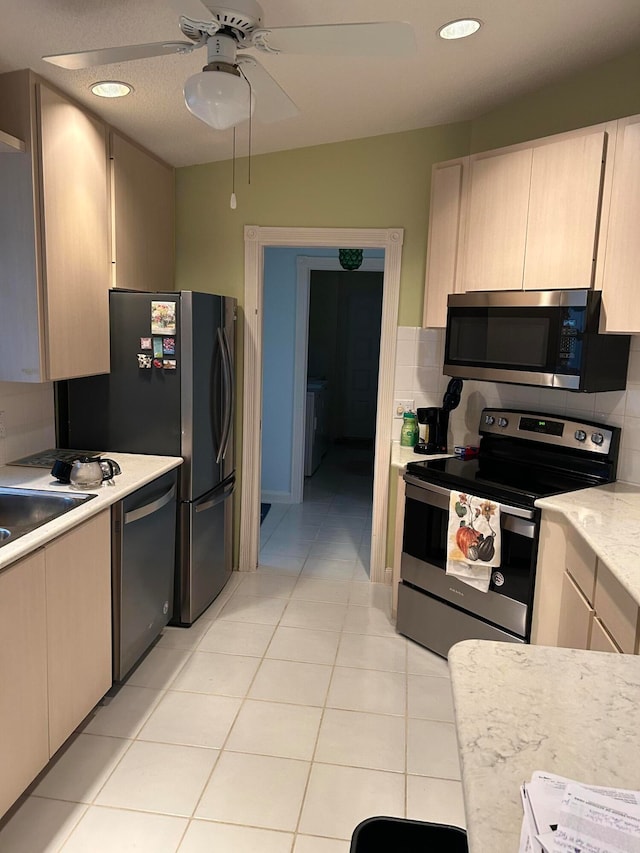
{"x":402,"y":406}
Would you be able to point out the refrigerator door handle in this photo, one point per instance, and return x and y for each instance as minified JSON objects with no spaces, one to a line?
{"x":208,"y":503}
{"x":218,"y":433}
{"x":229,"y":392}
{"x":150,"y":508}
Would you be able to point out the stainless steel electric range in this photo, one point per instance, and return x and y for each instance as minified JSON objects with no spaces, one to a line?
{"x":523,"y":456}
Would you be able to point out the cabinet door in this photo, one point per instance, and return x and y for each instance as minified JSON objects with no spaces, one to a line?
{"x":497,"y":221}
{"x":617,"y":609}
{"x":78,"y":575}
{"x":445,"y":219}
{"x":601,"y":641}
{"x":564,"y":211}
{"x":75,"y":236}
{"x":576,"y":616}
{"x":23,"y":676}
{"x":397,"y":546}
{"x":143,"y":219}
{"x":622,"y":256}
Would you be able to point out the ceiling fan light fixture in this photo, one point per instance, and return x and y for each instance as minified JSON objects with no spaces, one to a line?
{"x":111,"y":89}
{"x":220,"y":97}
{"x":459,"y":29}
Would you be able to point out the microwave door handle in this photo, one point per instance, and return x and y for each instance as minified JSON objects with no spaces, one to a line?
{"x":229,"y":390}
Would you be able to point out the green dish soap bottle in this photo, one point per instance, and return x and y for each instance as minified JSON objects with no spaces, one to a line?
{"x":409,"y":430}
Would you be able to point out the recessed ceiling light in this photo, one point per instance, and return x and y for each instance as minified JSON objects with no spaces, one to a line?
{"x":459,"y":29}
{"x":111,"y":89}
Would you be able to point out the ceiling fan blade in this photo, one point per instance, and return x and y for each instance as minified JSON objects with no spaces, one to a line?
{"x":392,"y":38}
{"x":108,"y":55}
{"x":272,"y":102}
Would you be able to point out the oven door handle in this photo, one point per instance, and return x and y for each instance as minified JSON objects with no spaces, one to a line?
{"x":430,"y":493}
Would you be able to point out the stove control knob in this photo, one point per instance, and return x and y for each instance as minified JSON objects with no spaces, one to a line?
{"x":489,"y":420}
{"x":597,"y":438}
{"x":503,"y":422}
{"x":580,"y":435}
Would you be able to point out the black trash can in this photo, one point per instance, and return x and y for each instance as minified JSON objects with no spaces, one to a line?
{"x":385,"y":834}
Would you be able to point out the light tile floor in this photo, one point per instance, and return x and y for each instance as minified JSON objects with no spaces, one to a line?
{"x":290,"y":711}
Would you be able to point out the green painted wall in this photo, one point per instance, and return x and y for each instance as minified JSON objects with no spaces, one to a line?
{"x":605,"y":92}
{"x":379,"y":182}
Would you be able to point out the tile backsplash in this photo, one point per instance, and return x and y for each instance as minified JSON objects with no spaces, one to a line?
{"x":419,"y":377}
{"x":27,"y":420}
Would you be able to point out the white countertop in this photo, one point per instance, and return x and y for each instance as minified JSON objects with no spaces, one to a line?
{"x":525,"y":708}
{"x":137,"y":471}
{"x":401,"y":455}
{"x":608,"y":519}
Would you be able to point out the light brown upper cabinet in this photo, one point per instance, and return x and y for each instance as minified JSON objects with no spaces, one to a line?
{"x":622,"y":246}
{"x":564,"y":212}
{"x":534,"y":214}
{"x":498,"y":201}
{"x":142,"y":249}
{"x":54,"y":230}
{"x":446,"y":229}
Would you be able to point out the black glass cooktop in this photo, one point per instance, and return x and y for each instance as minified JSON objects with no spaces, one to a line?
{"x":46,"y":458}
{"x":507,"y":482}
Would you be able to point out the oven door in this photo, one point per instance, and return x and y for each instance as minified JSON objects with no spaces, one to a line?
{"x":507,"y":604}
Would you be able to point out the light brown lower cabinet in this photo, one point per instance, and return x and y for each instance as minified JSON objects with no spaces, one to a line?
{"x":78,"y":577}
{"x":55,"y":648}
{"x":24,"y":739}
{"x":397,"y":548}
{"x":579,"y":603}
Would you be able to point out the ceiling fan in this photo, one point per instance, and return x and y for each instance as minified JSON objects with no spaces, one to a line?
{"x":232,"y":84}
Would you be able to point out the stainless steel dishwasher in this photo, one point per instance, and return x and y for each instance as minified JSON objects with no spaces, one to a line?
{"x":143,"y":565}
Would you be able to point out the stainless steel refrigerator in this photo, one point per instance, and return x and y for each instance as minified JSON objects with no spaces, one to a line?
{"x":170,"y":392}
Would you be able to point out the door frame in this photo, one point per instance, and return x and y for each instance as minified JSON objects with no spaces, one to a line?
{"x":305,"y":265}
{"x":256,"y":238}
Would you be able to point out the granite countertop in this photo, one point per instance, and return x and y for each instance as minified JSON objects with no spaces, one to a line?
{"x":137,"y":470}
{"x":608,"y":519}
{"x":525,"y":708}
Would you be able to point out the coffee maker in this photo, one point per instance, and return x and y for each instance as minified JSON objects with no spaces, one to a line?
{"x":433,"y":421}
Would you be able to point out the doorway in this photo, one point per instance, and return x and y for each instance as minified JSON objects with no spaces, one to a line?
{"x":290,"y":345}
{"x":256,"y":239}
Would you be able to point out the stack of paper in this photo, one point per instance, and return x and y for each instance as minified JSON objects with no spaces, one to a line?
{"x":563,"y":816}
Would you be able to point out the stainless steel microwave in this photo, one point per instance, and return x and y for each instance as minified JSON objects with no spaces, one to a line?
{"x":537,"y":337}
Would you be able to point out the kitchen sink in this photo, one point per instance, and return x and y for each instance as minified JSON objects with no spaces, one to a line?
{"x":24,"y":510}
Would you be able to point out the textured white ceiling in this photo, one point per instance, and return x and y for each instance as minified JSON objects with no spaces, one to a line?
{"x":522,"y":45}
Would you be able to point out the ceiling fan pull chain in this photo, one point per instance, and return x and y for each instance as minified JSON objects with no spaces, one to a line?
{"x":233,"y":174}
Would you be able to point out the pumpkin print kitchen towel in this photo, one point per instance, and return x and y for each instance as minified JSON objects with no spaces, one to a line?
{"x":473,"y":539}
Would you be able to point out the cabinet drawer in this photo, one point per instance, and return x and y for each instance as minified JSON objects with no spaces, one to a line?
{"x":616,"y":609}
{"x":600,"y":639}
{"x":580,"y":562}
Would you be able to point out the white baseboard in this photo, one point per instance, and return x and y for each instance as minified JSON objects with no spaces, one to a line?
{"x":276,"y":497}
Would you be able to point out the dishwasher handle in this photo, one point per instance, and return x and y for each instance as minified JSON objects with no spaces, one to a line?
{"x":150,"y":508}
